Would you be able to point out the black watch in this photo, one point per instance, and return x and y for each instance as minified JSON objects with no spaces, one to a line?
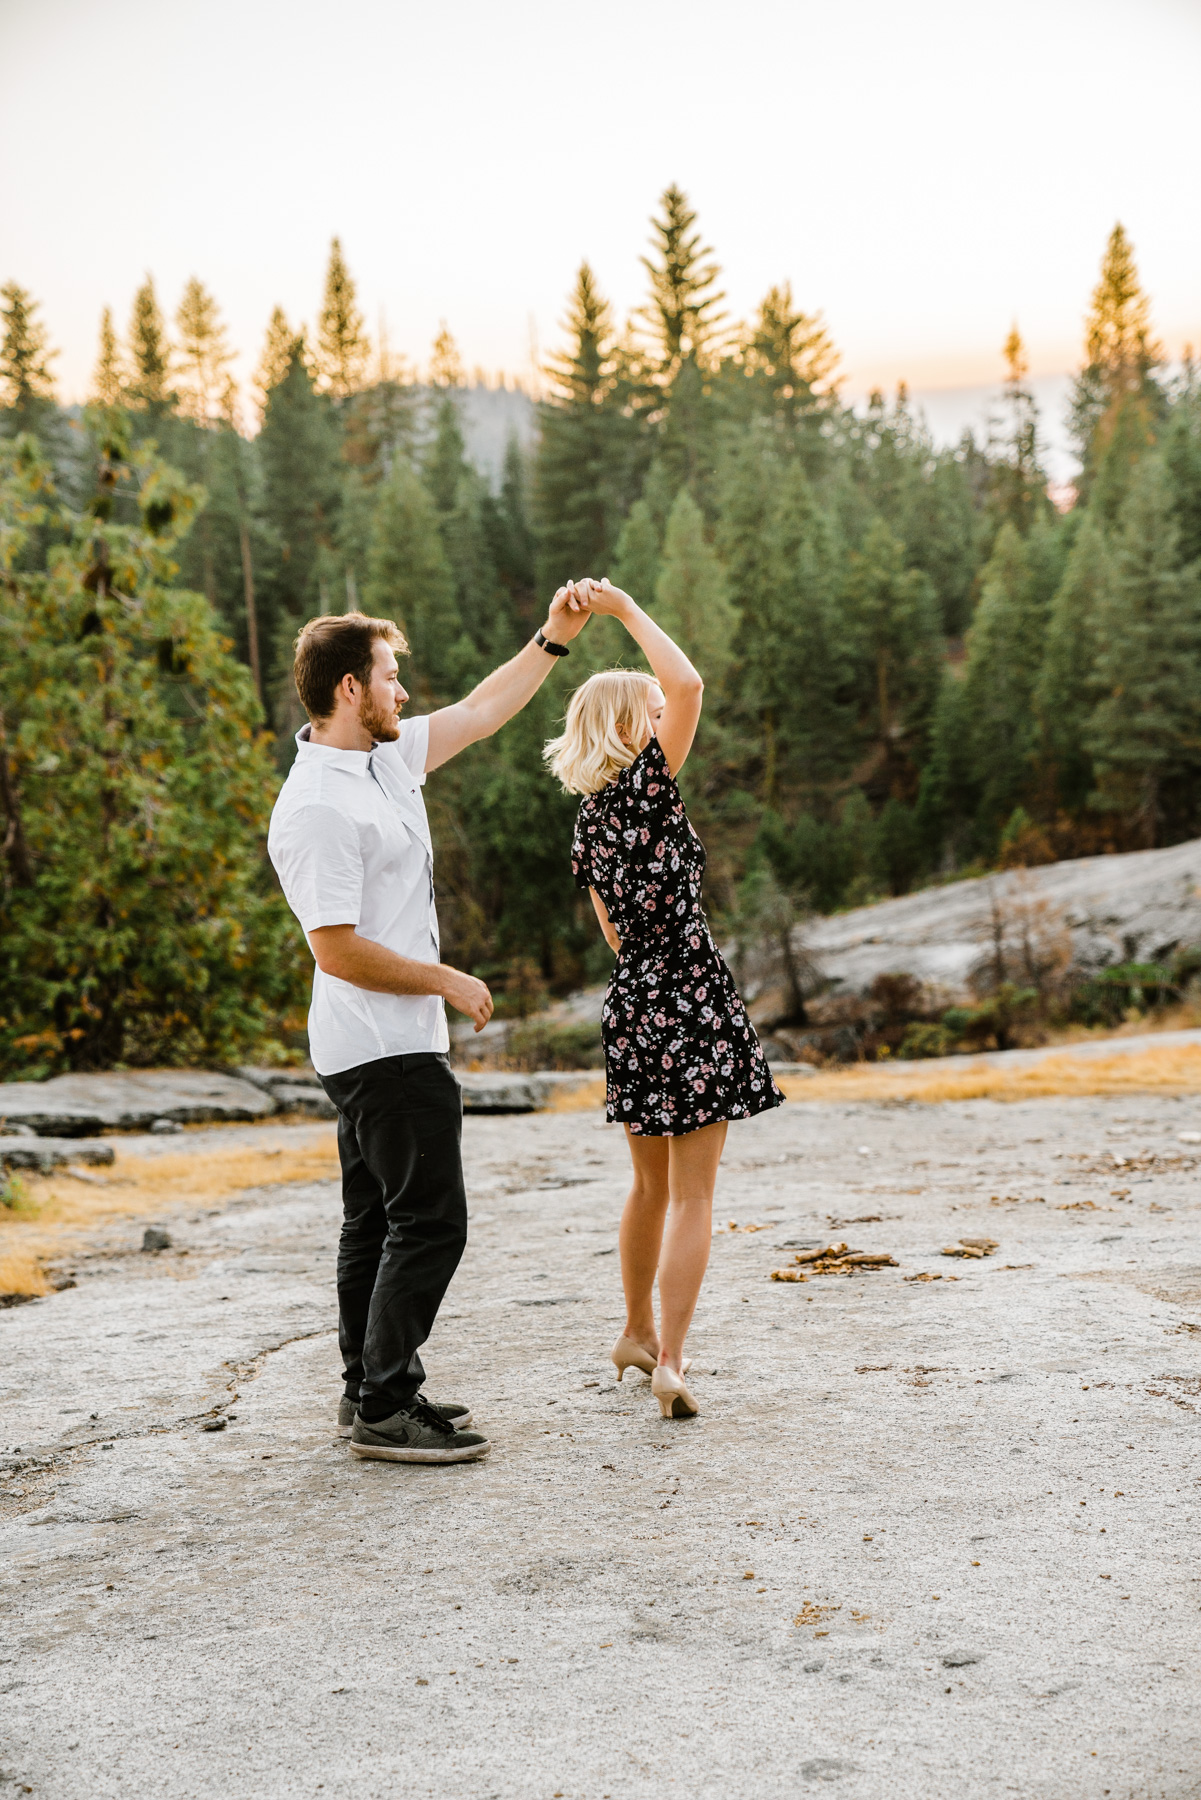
{"x":544,"y":643}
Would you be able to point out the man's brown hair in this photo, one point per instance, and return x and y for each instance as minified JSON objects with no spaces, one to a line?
{"x":334,"y":645}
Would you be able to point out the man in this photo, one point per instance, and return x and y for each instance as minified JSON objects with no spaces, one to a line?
{"x":351,"y":845}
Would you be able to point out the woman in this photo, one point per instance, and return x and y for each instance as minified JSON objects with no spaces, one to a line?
{"x":681,"y":1056}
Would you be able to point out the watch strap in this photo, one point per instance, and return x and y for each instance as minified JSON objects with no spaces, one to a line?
{"x":544,"y":643}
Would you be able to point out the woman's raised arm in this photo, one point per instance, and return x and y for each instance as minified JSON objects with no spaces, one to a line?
{"x":682,"y":687}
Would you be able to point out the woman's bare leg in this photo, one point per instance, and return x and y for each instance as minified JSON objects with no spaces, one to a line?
{"x":684,"y":1257}
{"x":641,"y":1234}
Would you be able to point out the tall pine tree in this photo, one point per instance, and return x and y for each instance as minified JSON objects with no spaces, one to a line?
{"x":149,"y":354}
{"x":342,"y":347}
{"x":1005,"y":650}
{"x":106,"y":377}
{"x":300,"y":451}
{"x":410,"y":579}
{"x":892,"y":616}
{"x":577,"y":481}
{"x":203,"y":356}
{"x":1142,"y":734}
{"x":26,"y":382}
{"x":1116,"y":399}
{"x":1065,"y":693}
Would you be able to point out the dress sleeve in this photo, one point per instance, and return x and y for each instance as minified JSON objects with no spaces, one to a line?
{"x":656,"y":782}
{"x":581,"y":861}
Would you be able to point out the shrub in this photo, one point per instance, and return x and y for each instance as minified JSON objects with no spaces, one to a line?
{"x":138,"y":918}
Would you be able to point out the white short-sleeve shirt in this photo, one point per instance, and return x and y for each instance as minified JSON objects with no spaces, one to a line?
{"x":351,"y":846}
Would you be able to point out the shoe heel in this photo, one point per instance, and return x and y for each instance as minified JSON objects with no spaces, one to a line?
{"x":675,"y":1402}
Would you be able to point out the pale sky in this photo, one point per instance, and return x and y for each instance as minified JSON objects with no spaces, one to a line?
{"x":923,"y":173}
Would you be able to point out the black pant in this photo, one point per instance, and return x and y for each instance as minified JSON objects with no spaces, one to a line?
{"x":404,"y":1222}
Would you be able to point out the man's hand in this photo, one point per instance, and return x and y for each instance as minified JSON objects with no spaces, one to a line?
{"x":568,"y":613}
{"x":341,"y":952}
{"x":467,"y":995}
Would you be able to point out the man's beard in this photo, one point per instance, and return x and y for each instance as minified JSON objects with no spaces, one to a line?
{"x":383,"y":726}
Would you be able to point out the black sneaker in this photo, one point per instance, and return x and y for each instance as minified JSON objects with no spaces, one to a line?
{"x":416,"y":1434}
{"x":456,"y":1415}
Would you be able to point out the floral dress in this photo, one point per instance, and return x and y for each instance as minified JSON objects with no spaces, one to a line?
{"x":680,"y":1051}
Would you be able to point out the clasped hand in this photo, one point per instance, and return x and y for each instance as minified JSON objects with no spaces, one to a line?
{"x":576,"y":601}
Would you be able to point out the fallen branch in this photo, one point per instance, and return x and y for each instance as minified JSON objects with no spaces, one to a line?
{"x":972,"y":1247}
{"x":835,"y":1259}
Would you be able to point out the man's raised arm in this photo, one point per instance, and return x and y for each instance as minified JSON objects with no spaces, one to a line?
{"x":503,"y":693}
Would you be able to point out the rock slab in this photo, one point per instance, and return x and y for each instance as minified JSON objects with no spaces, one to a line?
{"x":52,"y":1152}
{"x":1141,"y":907}
{"x":73,"y":1106}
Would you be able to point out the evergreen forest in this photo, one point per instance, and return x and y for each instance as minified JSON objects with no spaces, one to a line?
{"x":917,"y":665}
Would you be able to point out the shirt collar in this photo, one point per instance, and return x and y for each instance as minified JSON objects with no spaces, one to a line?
{"x":353,"y":761}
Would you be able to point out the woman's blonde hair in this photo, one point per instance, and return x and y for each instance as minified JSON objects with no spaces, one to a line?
{"x":591,"y":752}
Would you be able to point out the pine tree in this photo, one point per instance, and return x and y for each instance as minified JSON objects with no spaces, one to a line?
{"x":380,"y":423}
{"x":342,"y":346}
{"x":300,"y":451}
{"x":1116,"y":399}
{"x":204,"y":355}
{"x":949,"y":792}
{"x":692,"y":601}
{"x":25,"y":358}
{"x":149,"y":353}
{"x":683,"y":314}
{"x":1148,"y":667}
{"x":789,"y":360}
{"x":106,"y":378}
{"x":411,"y":580}
{"x":514,"y":547}
{"x":462,"y":502}
{"x":673,"y":389}
{"x":276,"y":359}
{"x":444,"y":464}
{"x":468,"y":536}
{"x":892,"y":615}
{"x":1065,"y":694}
{"x":446,"y":365}
{"x":1019,"y":482}
{"x":1005,"y":651}
{"x":783,"y":561}
{"x":577,"y":478}
{"x":941,"y":530}
{"x":1182,"y":462}
{"x":639,"y":556}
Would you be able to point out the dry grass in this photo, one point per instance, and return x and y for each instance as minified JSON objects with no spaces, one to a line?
{"x":55,"y":1211}
{"x":21,"y":1273}
{"x":579,"y":1099}
{"x":1172,"y":1070}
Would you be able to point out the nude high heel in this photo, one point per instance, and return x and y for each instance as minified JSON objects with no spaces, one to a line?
{"x":675,"y":1402}
{"x":627,"y":1353}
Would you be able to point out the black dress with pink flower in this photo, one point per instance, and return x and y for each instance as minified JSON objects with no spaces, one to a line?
{"x":680,"y":1051}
